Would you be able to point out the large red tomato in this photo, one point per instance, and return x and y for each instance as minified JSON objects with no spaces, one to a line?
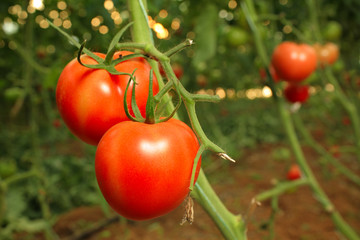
{"x":296,"y":93}
{"x":144,"y":170}
{"x":91,"y":100}
{"x":294,"y":62}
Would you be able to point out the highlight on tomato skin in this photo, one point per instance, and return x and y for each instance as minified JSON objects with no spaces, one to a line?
{"x":294,"y":62}
{"x":144,"y":170}
{"x":296,"y":93}
{"x":90,"y":101}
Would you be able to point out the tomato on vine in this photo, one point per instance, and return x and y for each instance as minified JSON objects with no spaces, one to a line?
{"x":294,"y":172}
{"x":327,"y":54}
{"x":296,"y":93}
{"x":294,"y":62}
{"x":144,"y":170}
{"x":90,"y":101}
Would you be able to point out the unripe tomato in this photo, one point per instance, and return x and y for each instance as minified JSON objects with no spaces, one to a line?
{"x":144,"y":170}
{"x":296,"y":93}
{"x":294,"y":62}
{"x":327,"y":54}
{"x":237,"y":36}
{"x":332,"y":31}
{"x":90,"y":101}
{"x":294,"y":172}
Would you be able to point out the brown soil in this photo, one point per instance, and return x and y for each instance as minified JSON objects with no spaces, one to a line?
{"x":300,"y":216}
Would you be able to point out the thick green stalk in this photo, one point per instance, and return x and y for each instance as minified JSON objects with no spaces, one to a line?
{"x":314,"y":19}
{"x":285,"y":117}
{"x":232,"y":227}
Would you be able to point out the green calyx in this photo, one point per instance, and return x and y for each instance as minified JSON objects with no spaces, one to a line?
{"x":151,"y":104}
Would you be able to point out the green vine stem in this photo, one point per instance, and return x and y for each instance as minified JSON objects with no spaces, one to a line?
{"x":321,"y":150}
{"x":280,"y":188}
{"x":231,"y":226}
{"x":343,"y":227}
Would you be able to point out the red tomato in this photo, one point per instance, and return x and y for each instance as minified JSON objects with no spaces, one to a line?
{"x":294,"y":62}
{"x":294,"y":172}
{"x":296,"y":93}
{"x":91,"y":100}
{"x":327,"y":54}
{"x":144,"y":170}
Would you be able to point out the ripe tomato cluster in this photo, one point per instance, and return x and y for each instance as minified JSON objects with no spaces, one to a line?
{"x":143,"y":170}
{"x":293,"y":63}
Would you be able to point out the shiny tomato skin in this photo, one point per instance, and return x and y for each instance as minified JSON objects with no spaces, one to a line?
{"x":90,"y":101}
{"x":144,"y":170}
{"x":296,"y":93}
{"x":294,"y":62}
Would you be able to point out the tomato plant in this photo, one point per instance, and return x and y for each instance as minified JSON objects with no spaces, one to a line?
{"x":294,"y":172}
{"x":294,"y":62}
{"x":90,"y":101}
{"x":144,"y":170}
{"x":327,"y":54}
{"x":296,"y":93}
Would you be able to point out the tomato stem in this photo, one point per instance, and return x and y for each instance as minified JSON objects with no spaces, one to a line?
{"x":280,"y":189}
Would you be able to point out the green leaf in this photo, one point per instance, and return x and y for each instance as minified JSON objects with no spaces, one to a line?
{"x":114,"y":41}
{"x":134,"y":105}
{"x":138,"y":117}
{"x":76,"y":43}
{"x":150,"y":104}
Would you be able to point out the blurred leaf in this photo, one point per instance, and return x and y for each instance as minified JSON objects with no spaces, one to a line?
{"x":30,"y":226}
{"x":15,"y":203}
{"x":205,"y":34}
